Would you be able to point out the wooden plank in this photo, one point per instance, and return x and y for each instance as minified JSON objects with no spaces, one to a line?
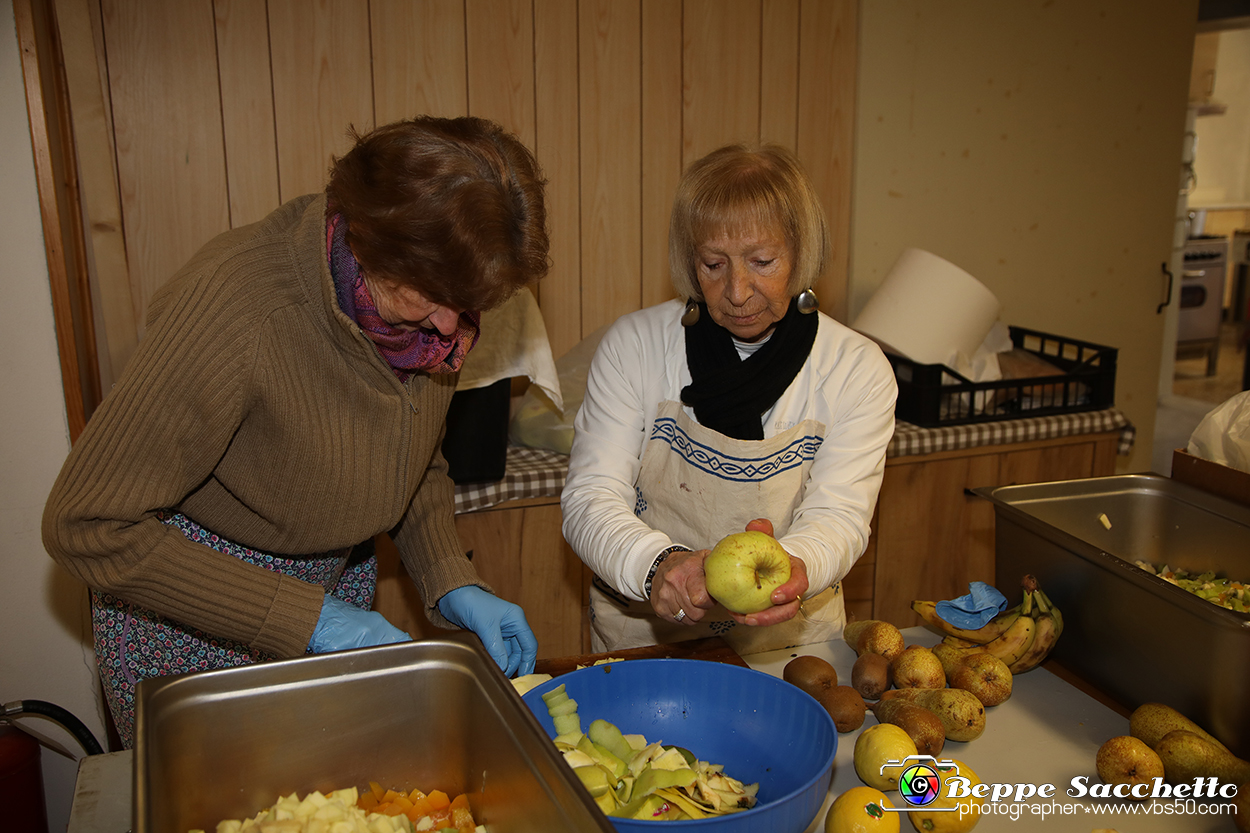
{"x":500,"y":58}
{"x":167,"y":112}
{"x":610,"y":165}
{"x":45,"y":143}
{"x":1068,"y":462}
{"x":826,"y":128}
{"x":556,"y":146}
{"x":721,"y":68}
{"x":98,"y":186}
{"x":322,"y":84}
{"x":418,"y":58}
{"x":551,"y":583}
{"x":661,"y":140}
{"x":712,"y":649}
{"x":779,"y":72}
{"x":247,"y":109}
{"x":944,"y":537}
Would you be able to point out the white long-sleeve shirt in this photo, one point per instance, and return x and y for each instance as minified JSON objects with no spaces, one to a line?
{"x":847,"y":385}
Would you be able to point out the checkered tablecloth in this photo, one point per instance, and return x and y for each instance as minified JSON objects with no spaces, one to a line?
{"x":531,"y":472}
{"x":912,"y":439}
{"x":536,"y":472}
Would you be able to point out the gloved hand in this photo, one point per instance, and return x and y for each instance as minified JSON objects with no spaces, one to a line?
{"x":500,"y":625}
{"x":343,"y":625}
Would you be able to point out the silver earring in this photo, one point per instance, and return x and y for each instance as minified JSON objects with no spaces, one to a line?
{"x":690,"y":315}
{"x":807,"y":302}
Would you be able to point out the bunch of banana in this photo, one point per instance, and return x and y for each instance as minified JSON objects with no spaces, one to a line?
{"x":1021,"y":637}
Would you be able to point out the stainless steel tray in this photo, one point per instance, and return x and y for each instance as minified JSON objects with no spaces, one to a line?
{"x":434,"y":714}
{"x":1133,"y":635}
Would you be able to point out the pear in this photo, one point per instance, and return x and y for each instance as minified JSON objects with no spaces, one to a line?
{"x":917,"y":667}
{"x":923,"y":726}
{"x":1128,"y":760}
{"x":961,"y":713}
{"x":951,"y":657}
{"x":1187,"y":756}
{"x":1241,"y":803}
{"x":986,"y":676}
{"x":874,"y":636}
{"x":1152,"y":721}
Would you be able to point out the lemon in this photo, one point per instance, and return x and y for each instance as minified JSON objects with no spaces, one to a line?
{"x":858,"y":810}
{"x":878,"y":745}
{"x":926,"y":820}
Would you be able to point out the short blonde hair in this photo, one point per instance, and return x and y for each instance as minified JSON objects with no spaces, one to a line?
{"x":737,"y":189}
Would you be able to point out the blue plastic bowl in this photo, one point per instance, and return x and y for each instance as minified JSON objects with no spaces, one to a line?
{"x":762,"y":729}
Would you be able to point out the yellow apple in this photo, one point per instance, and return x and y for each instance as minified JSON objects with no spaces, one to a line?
{"x":744,"y":569}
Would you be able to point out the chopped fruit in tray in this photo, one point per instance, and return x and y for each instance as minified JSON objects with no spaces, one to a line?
{"x":1234,"y":595}
{"x":376,"y":810}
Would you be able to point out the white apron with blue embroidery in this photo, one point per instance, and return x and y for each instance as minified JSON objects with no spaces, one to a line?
{"x":697,"y":486}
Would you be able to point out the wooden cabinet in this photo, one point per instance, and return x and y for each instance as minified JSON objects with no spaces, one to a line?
{"x":931,"y":536}
{"x":519,"y":551}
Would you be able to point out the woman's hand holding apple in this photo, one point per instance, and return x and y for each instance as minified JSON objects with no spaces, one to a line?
{"x":678,"y":585}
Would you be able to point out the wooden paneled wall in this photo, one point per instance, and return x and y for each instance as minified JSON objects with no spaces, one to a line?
{"x":222,"y":109}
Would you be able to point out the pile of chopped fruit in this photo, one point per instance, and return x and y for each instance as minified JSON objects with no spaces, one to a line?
{"x":376,"y":810}
{"x":1234,"y":595}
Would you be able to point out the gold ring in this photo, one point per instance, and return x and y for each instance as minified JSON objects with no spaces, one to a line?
{"x":681,"y":614}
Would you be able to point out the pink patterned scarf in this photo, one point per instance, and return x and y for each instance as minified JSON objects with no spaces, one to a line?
{"x":406,"y":351}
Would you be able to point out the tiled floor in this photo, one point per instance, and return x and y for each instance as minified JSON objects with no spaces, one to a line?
{"x":1195,"y":394}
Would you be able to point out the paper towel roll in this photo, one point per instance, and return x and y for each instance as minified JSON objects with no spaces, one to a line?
{"x":929,"y":310}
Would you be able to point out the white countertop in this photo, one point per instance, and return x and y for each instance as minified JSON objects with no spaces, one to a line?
{"x":1047,"y":733}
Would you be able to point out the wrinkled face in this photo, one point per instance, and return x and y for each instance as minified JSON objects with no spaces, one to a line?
{"x":405,"y":308}
{"x":745,"y":280}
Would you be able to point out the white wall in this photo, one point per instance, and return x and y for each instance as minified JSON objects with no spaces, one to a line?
{"x":45,"y":651}
{"x":1222,"y":162}
{"x":1037,"y":145}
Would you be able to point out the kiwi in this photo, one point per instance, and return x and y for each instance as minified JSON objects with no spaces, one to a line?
{"x":921,"y":725}
{"x":845,"y":706}
{"x":871,"y":675}
{"x":812,"y":674}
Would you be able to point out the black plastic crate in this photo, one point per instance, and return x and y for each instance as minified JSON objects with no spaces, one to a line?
{"x":933,"y":395}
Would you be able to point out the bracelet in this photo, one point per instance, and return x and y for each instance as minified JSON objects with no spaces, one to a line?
{"x":655,"y":565}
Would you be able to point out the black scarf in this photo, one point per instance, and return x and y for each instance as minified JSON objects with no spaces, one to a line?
{"x":730,"y":395}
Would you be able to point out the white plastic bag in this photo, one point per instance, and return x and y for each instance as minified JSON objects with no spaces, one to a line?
{"x":538,"y":423}
{"x":1223,"y":436}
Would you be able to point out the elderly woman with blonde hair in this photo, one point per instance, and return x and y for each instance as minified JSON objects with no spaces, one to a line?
{"x":737,"y":406}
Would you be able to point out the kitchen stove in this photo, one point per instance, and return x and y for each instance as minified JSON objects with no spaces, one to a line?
{"x":1202,"y":298}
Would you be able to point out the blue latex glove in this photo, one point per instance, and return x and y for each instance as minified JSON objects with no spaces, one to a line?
{"x":974,"y":610}
{"x":500,"y":625}
{"x":343,"y":625}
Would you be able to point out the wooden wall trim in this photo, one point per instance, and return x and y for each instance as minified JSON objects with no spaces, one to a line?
{"x":58,"y":206}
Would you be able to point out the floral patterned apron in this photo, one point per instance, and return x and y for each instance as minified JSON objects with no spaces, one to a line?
{"x":697,"y":486}
{"x":133,"y":643}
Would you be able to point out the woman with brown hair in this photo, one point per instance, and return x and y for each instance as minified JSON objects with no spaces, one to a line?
{"x":737,"y":406}
{"x":287,"y":404}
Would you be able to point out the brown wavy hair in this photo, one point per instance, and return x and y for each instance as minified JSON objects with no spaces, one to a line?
{"x":451,"y":207}
{"x":736,"y":189}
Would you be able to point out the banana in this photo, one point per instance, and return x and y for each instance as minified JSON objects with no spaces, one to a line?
{"x":1015,"y":642}
{"x":1043,"y":641}
{"x":993,"y":629}
{"x":1054,"y":611}
{"x":1049,"y":626}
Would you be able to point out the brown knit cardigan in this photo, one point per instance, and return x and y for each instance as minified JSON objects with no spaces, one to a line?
{"x":254,"y":406}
